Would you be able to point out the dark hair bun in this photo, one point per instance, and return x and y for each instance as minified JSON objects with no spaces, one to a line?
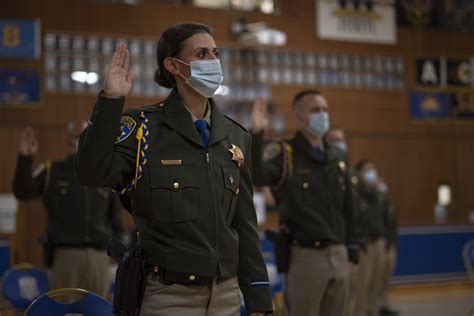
{"x":163,"y":80}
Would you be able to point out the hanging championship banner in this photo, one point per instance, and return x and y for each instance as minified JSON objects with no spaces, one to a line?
{"x":357,"y":21}
{"x":428,"y":104}
{"x":416,"y":13}
{"x":457,"y":15}
{"x":458,"y":72}
{"x":19,"y":38}
{"x":19,"y":87}
{"x":429,"y":72}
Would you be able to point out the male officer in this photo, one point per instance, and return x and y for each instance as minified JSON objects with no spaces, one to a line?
{"x":391,"y":253}
{"x":372,"y":209}
{"x":337,"y":137}
{"x":80,"y":220}
{"x":310,"y":181}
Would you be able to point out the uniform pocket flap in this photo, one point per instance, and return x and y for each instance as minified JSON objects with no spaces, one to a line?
{"x":172,"y":177}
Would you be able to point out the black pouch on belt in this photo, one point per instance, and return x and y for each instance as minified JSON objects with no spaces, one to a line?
{"x":130,"y":278}
{"x":282,"y":240}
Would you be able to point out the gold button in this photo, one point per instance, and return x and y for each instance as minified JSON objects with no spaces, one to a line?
{"x":317,"y":243}
{"x":176,"y":185}
{"x":155,"y":269}
{"x":231,"y":179}
{"x":237,"y":191}
{"x":305,"y":185}
{"x":161,"y":104}
{"x":192,"y":277}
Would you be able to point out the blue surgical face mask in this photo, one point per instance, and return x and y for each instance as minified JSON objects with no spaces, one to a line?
{"x":342,"y":145}
{"x":318,"y":124}
{"x":370,"y":177}
{"x":206,"y":76}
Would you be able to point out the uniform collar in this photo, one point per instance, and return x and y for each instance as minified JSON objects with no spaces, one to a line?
{"x":207,"y":115}
{"x":178,"y":117}
{"x":302,"y":144}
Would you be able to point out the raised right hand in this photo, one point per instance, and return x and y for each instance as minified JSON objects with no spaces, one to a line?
{"x":28,"y":142}
{"x":118,"y":82}
{"x":259,"y":117}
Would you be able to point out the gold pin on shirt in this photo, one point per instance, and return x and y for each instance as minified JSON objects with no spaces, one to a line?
{"x":237,"y":155}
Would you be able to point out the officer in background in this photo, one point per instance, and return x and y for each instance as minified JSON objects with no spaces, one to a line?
{"x":311,"y":185}
{"x":391,"y":237}
{"x":80,"y":220}
{"x":337,"y":137}
{"x":372,"y":219}
{"x":185,"y":169}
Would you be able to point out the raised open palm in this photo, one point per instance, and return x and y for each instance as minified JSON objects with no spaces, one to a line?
{"x":260,"y":118}
{"x":28,"y":142}
{"x":118,"y":82}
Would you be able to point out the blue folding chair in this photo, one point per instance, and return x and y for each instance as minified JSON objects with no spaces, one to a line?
{"x":87,"y":304}
{"x":468,"y":256}
{"x":22,"y":284}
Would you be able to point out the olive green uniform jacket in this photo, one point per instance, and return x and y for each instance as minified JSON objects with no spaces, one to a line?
{"x":192,"y":206}
{"x":315,"y":197}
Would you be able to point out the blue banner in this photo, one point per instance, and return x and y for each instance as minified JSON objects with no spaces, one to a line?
{"x":19,"y":86}
{"x":428,"y":104}
{"x":19,"y":38}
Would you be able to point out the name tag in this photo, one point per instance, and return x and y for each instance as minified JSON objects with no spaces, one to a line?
{"x":175,"y":162}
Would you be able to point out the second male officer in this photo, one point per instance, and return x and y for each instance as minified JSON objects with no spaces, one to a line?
{"x":373,"y":220}
{"x":80,"y":220}
{"x":310,"y":180}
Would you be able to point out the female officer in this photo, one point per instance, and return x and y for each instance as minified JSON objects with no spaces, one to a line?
{"x":185,"y":169}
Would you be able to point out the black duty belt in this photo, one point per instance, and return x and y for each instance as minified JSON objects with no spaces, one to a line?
{"x":96,"y":245}
{"x":374,"y":237}
{"x":168,"y":276}
{"x":317,"y":244}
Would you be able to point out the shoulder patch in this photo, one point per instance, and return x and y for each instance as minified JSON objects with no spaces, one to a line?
{"x":271,"y":151}
{"x":127,"y":125}
{"x":40,"y":169}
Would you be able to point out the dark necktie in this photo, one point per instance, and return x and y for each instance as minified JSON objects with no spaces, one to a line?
{"x":201,"y":126}
{"x":319,"y":154}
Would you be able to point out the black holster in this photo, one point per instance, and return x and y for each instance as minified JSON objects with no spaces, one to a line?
{"x":130,"y":278}
{"x":49,"y":249}
{"x":282,"y":240}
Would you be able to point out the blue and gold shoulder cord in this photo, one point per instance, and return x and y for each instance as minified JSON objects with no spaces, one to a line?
{"x":142,"y":147}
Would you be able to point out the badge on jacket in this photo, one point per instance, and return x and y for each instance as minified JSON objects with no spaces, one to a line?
{"x":237,"y":155}
{"x":127,"y":125}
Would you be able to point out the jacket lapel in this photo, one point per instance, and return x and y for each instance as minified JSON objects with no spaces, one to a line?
{"x":220,"y":125}
{"x":179,"y":119}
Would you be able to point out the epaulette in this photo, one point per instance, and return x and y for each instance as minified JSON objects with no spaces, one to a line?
{"x":157,"y":107}
{"x":142,"y":148}
{"x":238,"y":124}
